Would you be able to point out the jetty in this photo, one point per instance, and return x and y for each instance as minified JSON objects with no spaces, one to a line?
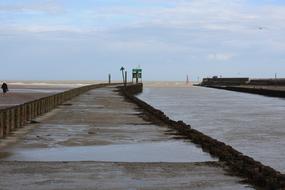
{"x":103,"y":137}
{"x":267,"y":87}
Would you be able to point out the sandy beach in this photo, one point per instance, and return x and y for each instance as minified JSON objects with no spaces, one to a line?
{"x":25,"y":91}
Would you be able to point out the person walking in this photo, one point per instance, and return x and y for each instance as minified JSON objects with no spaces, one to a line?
{"x":4,"y":88}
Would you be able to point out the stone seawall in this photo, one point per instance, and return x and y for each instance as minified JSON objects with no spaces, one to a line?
{"x":134,"y":88}
{"x":255,"y":172}
{"x":18,"y":116}
{"x":252,"y":90}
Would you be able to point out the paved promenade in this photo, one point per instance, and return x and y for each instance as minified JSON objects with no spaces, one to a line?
{"x":99,"y":140}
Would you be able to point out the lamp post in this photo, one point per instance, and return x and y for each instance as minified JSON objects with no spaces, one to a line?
{"x":122,"y":70}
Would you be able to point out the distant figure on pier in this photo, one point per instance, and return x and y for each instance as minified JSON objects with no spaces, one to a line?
{"x":4,"y":88}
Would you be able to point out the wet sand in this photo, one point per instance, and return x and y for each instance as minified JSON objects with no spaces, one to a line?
{"x":20,"y":93}
{"x":16,"y":98}
{"x":124,"y":148}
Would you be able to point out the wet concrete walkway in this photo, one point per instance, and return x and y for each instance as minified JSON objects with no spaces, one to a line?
{"x":100,"y":141}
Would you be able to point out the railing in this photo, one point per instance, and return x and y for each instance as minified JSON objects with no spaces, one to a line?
{"x":15,"y":117}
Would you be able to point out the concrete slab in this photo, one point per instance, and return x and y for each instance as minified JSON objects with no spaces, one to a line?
{"x":115,"y":176}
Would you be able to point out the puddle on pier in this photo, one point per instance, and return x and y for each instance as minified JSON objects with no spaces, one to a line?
{"x":169,"y":151}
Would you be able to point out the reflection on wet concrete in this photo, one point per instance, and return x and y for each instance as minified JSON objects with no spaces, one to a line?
{"x":101,"y":126}
{"x":116,"y":176}
{"x":252,"y":124}
{"x":169,"y":151}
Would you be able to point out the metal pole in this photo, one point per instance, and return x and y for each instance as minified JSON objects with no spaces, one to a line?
{"x":137,"y":77}
{"x":126,"y":78}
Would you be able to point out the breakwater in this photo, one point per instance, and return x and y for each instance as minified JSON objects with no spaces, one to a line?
{"x":224,"y":81}
{"x":242,"y":165}
{"x":15,"y":117}
{"x":216,"y":81}
{"x":253,"y":90}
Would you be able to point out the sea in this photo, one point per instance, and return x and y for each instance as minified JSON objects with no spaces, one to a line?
{"x":252,"y":124}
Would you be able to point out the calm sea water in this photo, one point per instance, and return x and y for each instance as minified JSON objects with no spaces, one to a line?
{"x":253,"y":124}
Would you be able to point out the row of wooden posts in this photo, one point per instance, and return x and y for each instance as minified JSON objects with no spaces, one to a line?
{"x":18,"y":116}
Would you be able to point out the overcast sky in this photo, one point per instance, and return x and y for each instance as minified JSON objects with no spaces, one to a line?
{"x":168,"y":39}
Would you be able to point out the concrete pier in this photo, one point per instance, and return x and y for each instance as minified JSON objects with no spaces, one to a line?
{"x":266,"y":87}
{"x":100,"y":140}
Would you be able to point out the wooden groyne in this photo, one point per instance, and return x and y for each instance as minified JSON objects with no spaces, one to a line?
{"x":15,"y":117}
{"x":255,"y":172}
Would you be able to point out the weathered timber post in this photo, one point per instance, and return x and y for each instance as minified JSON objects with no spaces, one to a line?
{"x":12,"y":119}
{"x":24,"y":114}
{"x":41,"y":102}
{"x":18,"y":117}
{"x":29,"y":107}
{"x":53,"y":102}
{"x":6,"y":122}
{"x":36,"y":108}
{"x":47,"y":105}
{"x":1,"y":125}
{"x":49,"y":102}
{"x":39,"y":107}
{"x":27,"y":112}
{"x":33,"y":112}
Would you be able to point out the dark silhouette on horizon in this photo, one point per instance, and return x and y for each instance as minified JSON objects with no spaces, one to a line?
{"x":4,"y":88}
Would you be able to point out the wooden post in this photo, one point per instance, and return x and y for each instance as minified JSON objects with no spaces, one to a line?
{"x":36,"y":109}
{"x":12,"y":119}
{"x":47,"y":106}
{"x":39,"y":108}
{"x":29,"y":107}
{"x":1,"y":125}
{"x":33,"y":114}
{"x":109,"y":78}
{"x":27,"y":112}
{"x":6,"y":122}
{"x":18,"y":117}
{"x":21,"y":115}
{"x":24,"y":114}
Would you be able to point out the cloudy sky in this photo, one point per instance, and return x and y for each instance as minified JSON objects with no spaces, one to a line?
{"x":168,"y":39}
